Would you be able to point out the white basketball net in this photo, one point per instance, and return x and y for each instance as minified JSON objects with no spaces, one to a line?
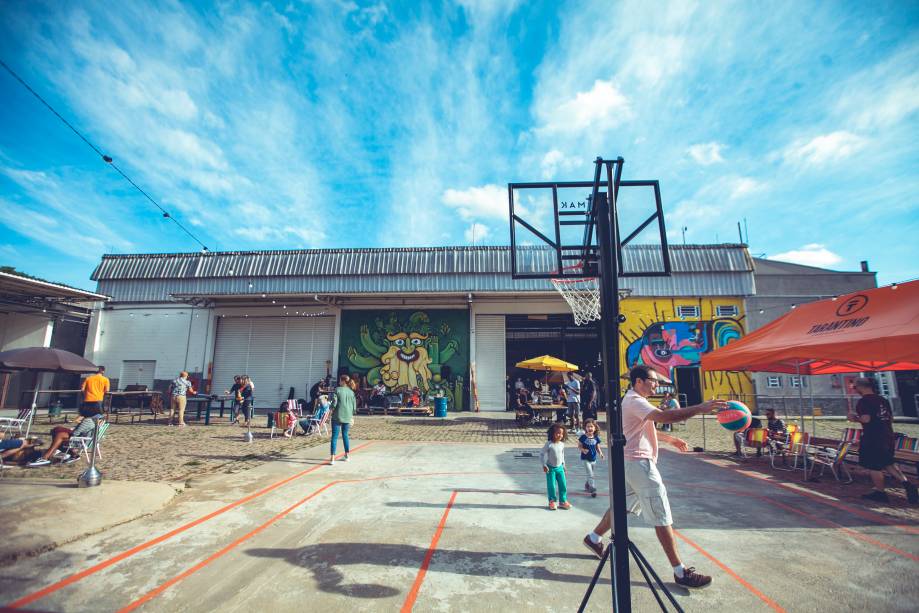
{"x":582,"y":295}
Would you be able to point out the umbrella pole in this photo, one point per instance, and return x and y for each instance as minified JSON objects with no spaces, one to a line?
{"x":813,"y":416}
{"x":800,"y":394}
{"x":34,"y":403}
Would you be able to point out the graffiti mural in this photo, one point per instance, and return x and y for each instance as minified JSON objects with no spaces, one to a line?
{"x":654,"y":335}
{"x":667,"y":345}
{"x":408,"y":348}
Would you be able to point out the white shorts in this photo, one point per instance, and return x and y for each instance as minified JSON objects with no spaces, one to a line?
{"x":645,"y":492}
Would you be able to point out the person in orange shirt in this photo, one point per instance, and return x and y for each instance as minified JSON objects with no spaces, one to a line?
{"x":94,"y":389}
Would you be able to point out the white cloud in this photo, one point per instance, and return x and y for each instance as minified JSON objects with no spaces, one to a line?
{"x":555,"y":162}
{"x":813,"y":254}
{"x":485,"y":202}
{"x":745,"y":186}
{"x":823,"y":149}
{"x":476,"y":234}
{"x":706,"y":153}
{"x":603,"y":106}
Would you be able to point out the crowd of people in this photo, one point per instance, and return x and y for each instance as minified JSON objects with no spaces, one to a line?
{"x":576,"y":398}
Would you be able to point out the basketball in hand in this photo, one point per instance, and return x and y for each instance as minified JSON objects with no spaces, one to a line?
{"x":736,"y":417}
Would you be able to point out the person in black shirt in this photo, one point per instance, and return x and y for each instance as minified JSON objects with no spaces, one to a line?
{"x":237,"y":399}
{"x":876,"y":449}
{"x":589,"y":397}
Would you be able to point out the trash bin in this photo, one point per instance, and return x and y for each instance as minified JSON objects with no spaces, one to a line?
{"x":440,"y":407}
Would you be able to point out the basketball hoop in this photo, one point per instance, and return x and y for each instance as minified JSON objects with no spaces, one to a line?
{"x":582,"y":295}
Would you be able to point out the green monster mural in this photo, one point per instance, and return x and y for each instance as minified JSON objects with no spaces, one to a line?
{"x":405,"y":349}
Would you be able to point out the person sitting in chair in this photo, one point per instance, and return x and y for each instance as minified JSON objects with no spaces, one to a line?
{"x":311,"y":422}
{"x":378,"y":395}
{"x":61,"y":435}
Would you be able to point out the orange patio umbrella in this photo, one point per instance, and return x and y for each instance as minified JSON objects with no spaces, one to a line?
{"x":874,"y":329}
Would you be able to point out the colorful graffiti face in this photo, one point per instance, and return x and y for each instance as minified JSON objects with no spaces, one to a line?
{"x":668,"y":345}
{"x":407,"y":349}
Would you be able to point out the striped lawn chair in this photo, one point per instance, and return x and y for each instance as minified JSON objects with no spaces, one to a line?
{"x":832,"y":457}
{"x":84,"y":444}
{"x":291,"y":414}
{"x":755,"y":438}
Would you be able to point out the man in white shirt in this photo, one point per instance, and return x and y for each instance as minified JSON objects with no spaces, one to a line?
{"x":573,"y":398}
{"x":644,"y":488}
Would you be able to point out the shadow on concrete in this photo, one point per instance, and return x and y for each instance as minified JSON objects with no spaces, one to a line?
{"x":464,"y":505}
{"x":327,"y":561}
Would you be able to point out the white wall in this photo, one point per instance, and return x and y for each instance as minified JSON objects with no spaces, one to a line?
{"x":19,"y":330}
{"x":176,"y":337}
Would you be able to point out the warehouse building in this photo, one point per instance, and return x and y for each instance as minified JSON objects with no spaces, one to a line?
{"x":448,"y":317}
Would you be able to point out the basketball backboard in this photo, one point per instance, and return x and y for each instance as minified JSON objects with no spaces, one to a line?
{"x":553,"y":228}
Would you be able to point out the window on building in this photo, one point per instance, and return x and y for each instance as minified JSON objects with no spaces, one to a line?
{"x":773,"y":381}
{"x":725,"y":310}
{"x":686,"y":310}
{"x":796,"y":381}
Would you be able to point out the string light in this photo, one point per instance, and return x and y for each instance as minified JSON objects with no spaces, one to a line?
{"x":105,"y":158}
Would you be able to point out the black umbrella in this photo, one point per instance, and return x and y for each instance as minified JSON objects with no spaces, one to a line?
{"x":43,"y":359}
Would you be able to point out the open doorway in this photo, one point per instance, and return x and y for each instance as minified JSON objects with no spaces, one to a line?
{"x":688,"y":385}
{"x":530,"y":336}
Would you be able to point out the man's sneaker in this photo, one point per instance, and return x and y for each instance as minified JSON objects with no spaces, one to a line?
{"x":876,"y":496}
{"x":912,"y":492}
{"x":596,"y":548}
{"x":564,"y":505}
{"x":70,"y":459}
{"x":692,"y":579}
{"x":332,"y":462}
{"x":59,"y":455}
{"x":552,"y":505}
{"x":39,"y":462}
{"x":347,"y":458}
{"x":593,"y":493}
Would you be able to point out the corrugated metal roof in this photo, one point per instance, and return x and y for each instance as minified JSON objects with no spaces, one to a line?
{"x":402,"y":261}
{"x":161,"y":290}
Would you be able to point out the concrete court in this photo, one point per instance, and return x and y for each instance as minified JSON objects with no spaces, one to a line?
{"x":356,"y":536}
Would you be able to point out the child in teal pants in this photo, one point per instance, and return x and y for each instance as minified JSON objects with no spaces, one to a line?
{"x":552,"y":457}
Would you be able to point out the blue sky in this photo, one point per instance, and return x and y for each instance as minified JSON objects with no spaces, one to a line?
{"x":346,"y":124}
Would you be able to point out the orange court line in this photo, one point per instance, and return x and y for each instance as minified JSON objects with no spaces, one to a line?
{"x":165,"y":586}
{"x":416,"y":586}
{"x":30,"y":598}
{"x":169,"y":583}
{"x":864,"y":514}
{"x":815,"y":518}
{"x":734,"y":575}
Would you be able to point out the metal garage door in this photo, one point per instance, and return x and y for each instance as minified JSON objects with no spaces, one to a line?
{"x":490,"y":366}
{"x":276,"y":352}
{"x":137,"y":372}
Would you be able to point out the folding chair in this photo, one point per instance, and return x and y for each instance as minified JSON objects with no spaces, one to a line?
{"x":293,"y":414}
{"x":834,"y":457}
{"x":755,"y":438}
{"x":84,"y":444}
{"x":22,"y":420}
{"x":319,"y":422}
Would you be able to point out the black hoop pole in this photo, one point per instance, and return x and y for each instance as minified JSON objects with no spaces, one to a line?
{"x":607,"y":239}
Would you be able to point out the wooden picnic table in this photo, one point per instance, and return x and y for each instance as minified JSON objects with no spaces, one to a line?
{"x":134,"y":411}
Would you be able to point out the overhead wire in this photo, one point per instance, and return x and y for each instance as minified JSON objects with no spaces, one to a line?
{"x":105,"y":158}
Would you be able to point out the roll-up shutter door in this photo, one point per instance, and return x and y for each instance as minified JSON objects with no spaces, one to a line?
{"x":309,"y":346}
{"x":277,"y":353}
{"x":490,"y":364}
{"x":231,"y":354}
{"x":137,"y":372}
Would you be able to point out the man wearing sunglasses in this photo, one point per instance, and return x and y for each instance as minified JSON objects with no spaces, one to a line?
{"x":645,"y":491}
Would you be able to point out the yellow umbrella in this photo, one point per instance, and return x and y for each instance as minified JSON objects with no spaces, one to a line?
{"x":547,"y":363}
